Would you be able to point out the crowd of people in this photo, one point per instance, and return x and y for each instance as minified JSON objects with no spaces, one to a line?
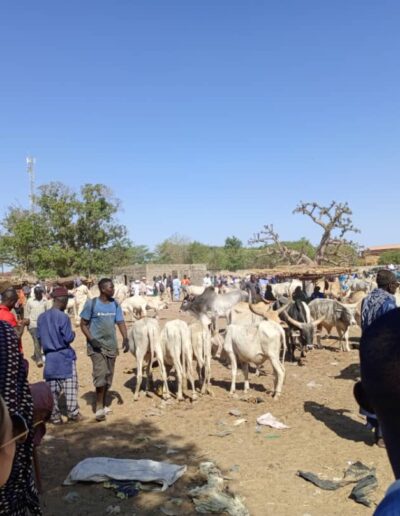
{"x":25,"y":408}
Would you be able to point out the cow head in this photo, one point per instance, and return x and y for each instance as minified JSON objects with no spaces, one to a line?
{"x":348,"y":314}
{"x":307,"y":330}
{"x":186,"y":303}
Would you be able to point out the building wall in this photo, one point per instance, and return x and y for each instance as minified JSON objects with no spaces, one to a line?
{"x":195,"y":271}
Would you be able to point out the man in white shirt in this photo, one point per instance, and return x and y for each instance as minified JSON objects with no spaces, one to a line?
{"x":33,"y":308}
{"x":207,"y":281}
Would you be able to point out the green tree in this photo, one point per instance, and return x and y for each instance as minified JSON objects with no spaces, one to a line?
{"x":69,"y":233}
{"x":234,"y":256}
{"x":389,"y":257}
{"x":173,"y":250}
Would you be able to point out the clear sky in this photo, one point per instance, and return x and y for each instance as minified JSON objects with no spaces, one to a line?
{"x":207,"y":118}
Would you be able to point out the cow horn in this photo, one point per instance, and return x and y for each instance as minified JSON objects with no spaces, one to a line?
{"x":318,"y":321}
{"x":257,"y":311}
{"x":281,"y":309}
{"x":293,"y":322}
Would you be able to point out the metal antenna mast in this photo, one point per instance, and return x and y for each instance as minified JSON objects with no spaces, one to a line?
{"x":30,"y":168}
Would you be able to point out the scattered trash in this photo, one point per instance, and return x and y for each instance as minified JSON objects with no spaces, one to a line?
{"x":172,"y":507}
{"x":363,"y":488}
{"x":269,"y":420}
{"x":358,"y":473}
{"x":211,"y":497}
{"x":253,"y":399}
{"x":235,"y":468}
{"x":235,"y":412}
{"x":154,"y":412}
{"x":124,"y":488}
{"x":113,"y":509}
{"x":71,"y":497}
{"x":239,"y":422}
{"x":327,"y":485}
{"x":171,"y":451}
{"x":101,"y":469}
{"x":224,"y":433}
{"x":312,"y":384}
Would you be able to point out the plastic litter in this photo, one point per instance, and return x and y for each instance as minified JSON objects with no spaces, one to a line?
{"x":239,"y":422}
{"x":358,"y":473}
{"x":363,"y":488}
{"x":235,"y":412}
{"x":71,"y":497}
{"x":313,"y":384}
{"x":113,"y":509}
{"x":211,"y":497}
{"x":269,"y":420}
{"x":101,"y":469}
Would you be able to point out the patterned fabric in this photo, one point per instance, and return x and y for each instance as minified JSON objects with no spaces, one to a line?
{"x":376,"y":304}
{"x":69,"y":386}
{"x":19,"y":494}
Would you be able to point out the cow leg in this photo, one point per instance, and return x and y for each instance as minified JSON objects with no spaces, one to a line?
{"x":179,"y":378}
{"x":279,"y":373}
{"x":344,"y":340}
{"x":139,"y":376}
{"x":245,"y":369}
{"x":159,"y":356}
{"x":233,"y":361}
{"x":207,"y":364}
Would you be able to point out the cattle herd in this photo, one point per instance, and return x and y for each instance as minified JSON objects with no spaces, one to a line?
{"x":252,"y":331}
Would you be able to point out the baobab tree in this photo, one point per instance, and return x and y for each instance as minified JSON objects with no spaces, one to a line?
{"x":333,"y":248}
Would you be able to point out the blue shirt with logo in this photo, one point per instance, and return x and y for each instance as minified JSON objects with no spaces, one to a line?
{"x":102,"y":318}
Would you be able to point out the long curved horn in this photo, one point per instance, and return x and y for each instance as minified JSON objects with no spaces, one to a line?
{"x":281,"y":309}
{"x":318,"y":321}
{"x":257,"y":311}
{"x":293,"y":322}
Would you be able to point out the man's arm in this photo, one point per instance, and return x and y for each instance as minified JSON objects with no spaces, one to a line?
{"x":122,"y":329}
{"x":66,"y":331}
{"x":85,"y":328}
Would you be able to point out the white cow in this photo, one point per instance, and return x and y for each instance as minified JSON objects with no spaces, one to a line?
{"x":201,"y":346}
{"x":121,"y":292}
{"x":177,"y":352}
{"x":144,"y":343}
{"x":286,"y":288}
{"x":254,"y":345}
{"x":136,"y":306}
{"x":81,"y":294}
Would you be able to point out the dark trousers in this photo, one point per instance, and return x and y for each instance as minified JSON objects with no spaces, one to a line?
{"x":37,"y":350}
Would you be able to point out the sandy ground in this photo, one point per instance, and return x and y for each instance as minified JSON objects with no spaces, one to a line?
{"x":326,"y":433}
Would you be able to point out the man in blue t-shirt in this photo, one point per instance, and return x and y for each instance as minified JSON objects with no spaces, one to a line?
{"x":98,"y":319}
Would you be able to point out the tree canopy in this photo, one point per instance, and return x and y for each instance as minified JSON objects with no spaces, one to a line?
{"x":68,"y":233}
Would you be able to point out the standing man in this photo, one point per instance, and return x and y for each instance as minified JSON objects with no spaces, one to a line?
{"x":380,"y":301}
{"x":55,"y":335}
{"x":176,"y":288}
{"x":34,"y":308}
{"x":98,"y":320}
{"x":9,"y":299}
{"x":207,"y":281}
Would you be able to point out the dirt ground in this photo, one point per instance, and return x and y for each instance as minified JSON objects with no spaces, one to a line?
{"x":325,"y":434}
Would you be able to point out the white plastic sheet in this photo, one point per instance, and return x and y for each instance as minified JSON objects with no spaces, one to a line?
{"x":101,"y":469}
{"x":269,"y":420}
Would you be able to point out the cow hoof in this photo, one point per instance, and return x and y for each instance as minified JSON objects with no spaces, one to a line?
{"x":149,"y":394}
{"x":136,"y":397}
{"x":195,"y":397}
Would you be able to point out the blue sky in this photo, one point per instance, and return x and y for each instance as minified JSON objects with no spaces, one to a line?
{"x":207,"y":118}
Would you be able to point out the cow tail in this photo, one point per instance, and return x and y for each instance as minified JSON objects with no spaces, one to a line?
{"x":284,"y":347}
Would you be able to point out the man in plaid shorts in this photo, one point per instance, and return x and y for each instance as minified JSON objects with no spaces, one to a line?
{"x":55,"y":334}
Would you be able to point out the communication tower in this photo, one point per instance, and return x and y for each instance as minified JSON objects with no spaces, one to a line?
{"x":30,"y":167}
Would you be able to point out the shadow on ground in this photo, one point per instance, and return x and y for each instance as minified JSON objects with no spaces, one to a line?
{"x":337,"y":421}
{"x":351,"y":372}
{"x":71,"y":443}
